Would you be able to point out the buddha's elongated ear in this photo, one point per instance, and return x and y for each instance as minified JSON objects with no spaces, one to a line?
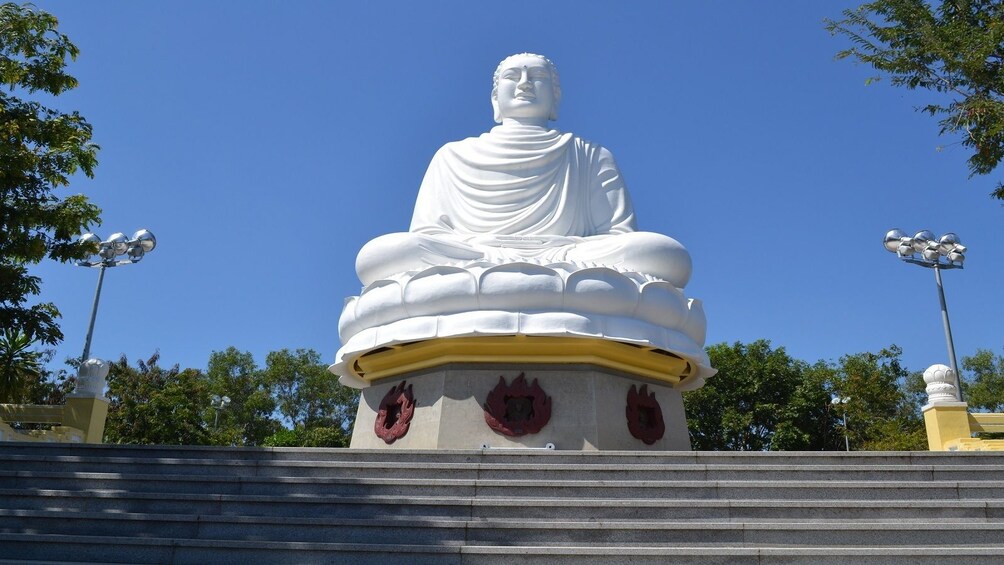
{"x":495,"y":109}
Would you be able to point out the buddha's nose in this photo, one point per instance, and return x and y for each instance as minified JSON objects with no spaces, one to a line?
{"x":524,"y":81}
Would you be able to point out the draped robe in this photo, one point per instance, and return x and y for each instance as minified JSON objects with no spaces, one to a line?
{"x":523,"y":181}
{"x":523,"y":192}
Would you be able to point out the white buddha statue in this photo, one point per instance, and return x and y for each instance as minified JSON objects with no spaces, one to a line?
{"x":524,"y":192}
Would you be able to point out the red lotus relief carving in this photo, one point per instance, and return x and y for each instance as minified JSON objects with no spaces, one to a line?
{"x":517,"y":409}
{"x":396,"y":411}
{"x":644,"y":415}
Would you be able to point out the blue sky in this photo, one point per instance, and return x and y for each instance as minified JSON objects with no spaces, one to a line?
{"x":264,"y":143}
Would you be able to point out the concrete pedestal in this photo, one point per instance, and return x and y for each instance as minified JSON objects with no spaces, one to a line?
{"x":588,"y":408}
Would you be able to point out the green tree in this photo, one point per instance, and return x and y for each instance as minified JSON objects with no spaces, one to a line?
{"x":40,"y":148}
{"x":808,"y":423}
{"x":44,"y":387}
{"x":760,"y":399}
{"x":153,"y":405}
{"x":248,"y":419}
{"x":882,"y":412}
{"x":308,"y":395}
{"x":984,"y":385}
{"x":20,"y":366}
{"x":952,"y":47}
{"x":320,"y":411}
{"x":51,"y":387}
{"x":328,"y":436}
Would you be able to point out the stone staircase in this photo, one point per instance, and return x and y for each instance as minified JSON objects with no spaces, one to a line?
{"x":142,"y":504}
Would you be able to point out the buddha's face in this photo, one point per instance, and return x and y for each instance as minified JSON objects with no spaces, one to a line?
{"x":525,"y":90}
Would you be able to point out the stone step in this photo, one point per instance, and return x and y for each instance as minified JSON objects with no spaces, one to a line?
{"x":236,"y":454}
{"x":235,"y":505}
{"x":756,"y":555}
{"x":487,"y":488}
{"x":201,"y":467}
{"x":55,"y":548}
{"x":22,"y":547}
{"x":491,"y":470}
{"x":430,"y":531}
{"x":543,"y":509}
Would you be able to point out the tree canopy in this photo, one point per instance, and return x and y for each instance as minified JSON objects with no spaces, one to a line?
{"x":882,"y":412}
{"x":307,"y":395}
{"x":984,"y":383}
{"x":293,"y":402}
{"x":20,"y":366}
{"x":954,"y":48}
{"x":153,"y":405}
{"x":763,"y":399}
{"x":40,"y":149}
{"x":760,"y":399}
{"x":249,"y":418}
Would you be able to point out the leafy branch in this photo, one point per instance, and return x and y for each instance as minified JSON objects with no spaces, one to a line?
{"x":955,"y":48}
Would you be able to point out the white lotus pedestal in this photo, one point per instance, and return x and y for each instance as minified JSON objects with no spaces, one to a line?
{"x":522,"y":355}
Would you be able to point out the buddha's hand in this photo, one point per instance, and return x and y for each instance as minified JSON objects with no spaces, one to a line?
{"x":522,"y":241}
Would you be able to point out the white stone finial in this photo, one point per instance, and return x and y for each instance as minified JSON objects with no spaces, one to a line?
{"x":940,"y":381}
{"x":91,"y":378}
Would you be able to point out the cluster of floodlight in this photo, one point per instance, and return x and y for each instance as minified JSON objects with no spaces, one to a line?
{"x":105,"y":253}
{"x":946,"y":250}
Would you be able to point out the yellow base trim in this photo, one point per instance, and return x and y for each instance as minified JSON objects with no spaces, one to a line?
{"x":637,"y":360}
{"x":975,"y":444}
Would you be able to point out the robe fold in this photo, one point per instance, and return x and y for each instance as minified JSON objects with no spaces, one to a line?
{"x":523,"y":181}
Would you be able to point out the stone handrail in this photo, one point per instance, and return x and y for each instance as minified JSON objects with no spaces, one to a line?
{"x":31,"y":413}
{"x":986,"y":422}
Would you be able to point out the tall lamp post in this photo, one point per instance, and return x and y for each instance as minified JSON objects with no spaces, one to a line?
{"x":842,"y":402}
{"x":945,"y":252}
{"x":105,"y":256}
{"x":219,"y":403}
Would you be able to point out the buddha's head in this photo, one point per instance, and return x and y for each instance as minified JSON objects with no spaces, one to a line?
{"x":526,"y":87}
